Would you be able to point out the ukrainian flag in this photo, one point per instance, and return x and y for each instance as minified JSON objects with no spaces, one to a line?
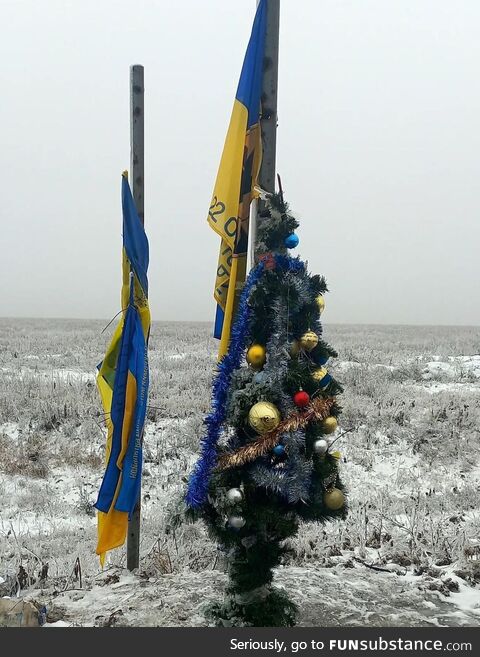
{"x":123,"y":385}
{"x":236,"y":179}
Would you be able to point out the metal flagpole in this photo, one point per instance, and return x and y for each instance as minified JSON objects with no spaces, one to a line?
{"x":137,"y":178}
{"x":268,"y":120}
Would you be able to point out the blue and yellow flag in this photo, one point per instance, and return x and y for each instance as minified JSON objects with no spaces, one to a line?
{"x":236,"y":179}
{"x":123,"y":385}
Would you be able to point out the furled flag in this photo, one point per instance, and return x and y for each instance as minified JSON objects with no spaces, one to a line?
{"x":123,"y":385}
{"x":236,"y":179}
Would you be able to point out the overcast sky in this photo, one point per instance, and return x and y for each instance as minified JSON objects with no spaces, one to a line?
{"x":378,"y":149}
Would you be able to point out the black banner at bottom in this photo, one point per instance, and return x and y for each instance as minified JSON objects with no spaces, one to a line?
{"x":248,"y":642}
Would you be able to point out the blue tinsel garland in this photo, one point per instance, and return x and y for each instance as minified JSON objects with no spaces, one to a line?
{"x":200,"y":478}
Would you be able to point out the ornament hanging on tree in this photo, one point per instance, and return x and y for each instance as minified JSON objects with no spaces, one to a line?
{"x":320,"y":303}
{"x":329,"y":424}
{"x":234,"y":495}
{"x":264,"y":416}
{"x":308,"y":341}
{"x":268,"y":260}
{"x":237,"y":522}
{"x":279,"y":450}
{"x":256,"y":356}
{"x":334,"y":499}
{"x":291,"y":241}
{"x":320,"y":447}
{"x":301,"y":399}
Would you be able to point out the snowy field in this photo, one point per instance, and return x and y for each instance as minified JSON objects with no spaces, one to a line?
{"x":408,"y":554}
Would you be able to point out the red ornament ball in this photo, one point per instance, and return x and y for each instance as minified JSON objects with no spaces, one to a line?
{"x":301,"y":398}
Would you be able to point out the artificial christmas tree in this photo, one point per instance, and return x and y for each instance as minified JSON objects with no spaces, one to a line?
{"x":266,"y":462}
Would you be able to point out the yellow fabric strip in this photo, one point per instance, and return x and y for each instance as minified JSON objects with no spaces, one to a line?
{"x":227,"y":321}
{"x":223,"y":214}
{"x":112,"y":529}
{"x":128,"y":417}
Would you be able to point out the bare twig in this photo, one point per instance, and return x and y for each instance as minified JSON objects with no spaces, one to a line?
{"x":342,"y":434}
{"x":113,"y":318}
{"x":372,"y":567}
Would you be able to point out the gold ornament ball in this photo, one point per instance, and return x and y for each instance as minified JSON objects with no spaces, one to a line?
{"x":264,"y":417}
{"x":334,"y":499}
{"x":308,"y":341}
{"x":329,"y":424}
{"x":256,"y":356}
{"x":319,"y":373}
{"x":320,"y":303}
{"x":294,"y":348}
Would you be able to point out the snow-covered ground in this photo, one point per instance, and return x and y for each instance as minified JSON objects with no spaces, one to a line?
{"x":344,"y":594}
{"x":408,"y":554}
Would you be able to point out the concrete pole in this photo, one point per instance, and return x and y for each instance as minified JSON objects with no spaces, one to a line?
{"x":138,"y":189}
{"x":268,"y":121}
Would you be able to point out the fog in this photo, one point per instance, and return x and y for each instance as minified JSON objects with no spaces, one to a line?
{"x":378,"y":149}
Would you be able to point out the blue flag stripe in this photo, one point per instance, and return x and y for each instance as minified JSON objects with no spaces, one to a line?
{"x":132,"y":462}
{"x":112,"y":472}
{"x":134,"y":237}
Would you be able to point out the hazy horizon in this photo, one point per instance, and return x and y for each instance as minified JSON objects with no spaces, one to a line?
{"x":325,"y":322}
{"x":378,"y":146}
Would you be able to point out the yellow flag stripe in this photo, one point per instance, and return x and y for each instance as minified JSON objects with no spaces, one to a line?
{"x":222,"y":216}
{"x":130,"y":399}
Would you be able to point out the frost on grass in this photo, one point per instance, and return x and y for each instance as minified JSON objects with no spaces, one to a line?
{"x":408,"y":553}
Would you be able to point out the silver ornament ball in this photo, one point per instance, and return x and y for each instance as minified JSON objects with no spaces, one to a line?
{"x":237,"y":522}
{"x":320,"y":446}
{"x":234,"y":495}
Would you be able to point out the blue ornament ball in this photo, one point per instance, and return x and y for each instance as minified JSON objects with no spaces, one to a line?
{"x":279,"y":450}
{"x":291,"y":241}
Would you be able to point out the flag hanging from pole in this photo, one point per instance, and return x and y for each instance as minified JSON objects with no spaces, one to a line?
{"x":122,"y":382}
{"x":236,"y":178}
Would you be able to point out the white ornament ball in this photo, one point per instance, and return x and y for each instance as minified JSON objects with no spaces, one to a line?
{"x":320,"y":446}
{"x":237,"y":522}
{"x":234,"y":495}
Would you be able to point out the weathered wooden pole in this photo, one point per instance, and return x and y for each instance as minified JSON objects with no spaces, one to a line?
{"x":138,"y":189}
{"x":268,"y":120}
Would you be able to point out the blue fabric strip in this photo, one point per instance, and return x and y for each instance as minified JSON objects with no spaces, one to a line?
{"x":219,"y":317}
{"x":134,"y":237}
{"x":132,"y":462}
{"x":250,"y":83}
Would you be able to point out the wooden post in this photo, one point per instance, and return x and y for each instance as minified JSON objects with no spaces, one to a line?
{"x":268,"y":121}
{"x":137,"y":178}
